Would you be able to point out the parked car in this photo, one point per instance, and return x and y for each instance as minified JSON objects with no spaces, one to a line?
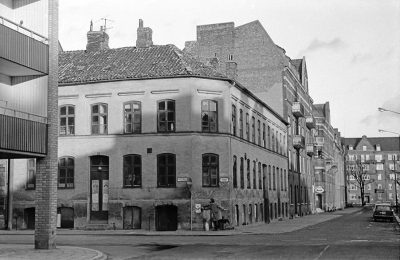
{"x":383,"y":211}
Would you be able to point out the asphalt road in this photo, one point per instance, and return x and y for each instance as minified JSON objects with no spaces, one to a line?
{"x":351,"y":236}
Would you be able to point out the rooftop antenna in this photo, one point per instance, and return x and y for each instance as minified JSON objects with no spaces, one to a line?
{"x":105,"y":23}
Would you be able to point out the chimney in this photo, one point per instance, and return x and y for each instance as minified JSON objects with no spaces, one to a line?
{"x":214,"y":62}
{"x":97,"y":40}
{"x":231,"y":69}
{"x":144,"y":36}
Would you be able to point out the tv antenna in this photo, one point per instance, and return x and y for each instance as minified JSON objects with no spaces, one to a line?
{"x":105,"y":22}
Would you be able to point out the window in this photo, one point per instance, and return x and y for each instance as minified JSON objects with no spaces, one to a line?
{"x":248,"y":174}
{"x":353,"y":196}
{"x":241,"y":123}
{"x":367,"y":157}
{"x":390,"y":186}
{"x":241,"y":173}
{"x":379,"y":177}
{"x":132,"y":117}
{"x":280,"y":144}
{"x":391,"y":176}
{"x":362,"y":158}
{"x":31,"y":178}
{"x":378,"y":147}
{"x":166,"y":170}
{"x":99,"y":119}
{"x":350,"y":147}
{"x":284,"y":145}
{"x":263,"y":137}
{"x":253,"y":129}
{"x":268,"y":135}
{"x":210,"y":170}
{"x":364,"y":148}
{"x":276,"y":142}
{"x":379,"y":166}
{"x":351,"y":157}
{"x":273,"y":178}
{"x":285,"y":179}
{"x":273,"y":140}
{"x":392,"y":157}
{"x":269,"y":178}
{"x":259,"y":132}
{"x":247,"y":127}
{"x":353,"y":187}
{"x":67,"y":120}
{"x":234,"y":172}
{"x":379,"y":186}
{"x":132,"y":171}
{"x":66,"y":173}
{"x":378,"y":157}
{"x":281,"y":179}
{"x":254,"y":175}
{"x":365,"y":167}
{"x":259,"y":177}
{"x":166,"y":116}
{"x":365,"y":177}
{"x":233,"y":120}
{"x":369,"y":186}
{"x":391,"y":166}
{"x":209,"y":116}
{"x":390,"y":196}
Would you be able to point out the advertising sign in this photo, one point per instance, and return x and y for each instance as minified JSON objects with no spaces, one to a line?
{"x":105,"y":196}
{"x":95,"y":195}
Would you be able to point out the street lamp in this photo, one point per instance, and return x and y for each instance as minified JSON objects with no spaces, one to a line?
{"x":398,"y":158}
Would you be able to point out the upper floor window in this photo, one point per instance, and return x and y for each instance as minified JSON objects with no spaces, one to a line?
{"x":378,"y":157}
{"x":31,"y":174}
{"x":67,"y":120}
{"x":166,"y":170}
{"x":132,"y":117}
{"x":99,"y":119}
{"x":241,"y":173}
{"x":259,"y":132}
{"x":248,"y":174}
{"x":379,"y":166}
{"x":209,"y":116}
{"x":259,"y":177}
{"x":273,"y":140}
{"x":132,"y":171}
{"x":273,"y":178}
{"x":253,"y":129}
{"x":364,"y":148}
{"x":247,"y":127}
{"x":269,"y":178}
{"x":268,"y":137}
{"x":66,"y":173}
{"x":210,"y":170}
{"x":263,"y":137}
{"x":166,"y":116}
{"x":233,"y":120}
{"x":254,"y":175}
{"x":241,"y":123}
{"x":350,"y":147}
{"x":378,"y":147}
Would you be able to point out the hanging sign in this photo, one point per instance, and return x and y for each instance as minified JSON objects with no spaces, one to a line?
{"x":95,"y":195}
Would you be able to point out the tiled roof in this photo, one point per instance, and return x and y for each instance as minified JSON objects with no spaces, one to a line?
{"x":130,"y":63}
{"x":386,"y":143}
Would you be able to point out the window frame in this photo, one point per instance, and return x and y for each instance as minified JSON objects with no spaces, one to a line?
{"x":132,"y":113}
{"x":209,"y":112}
{"x":66,"y":177}
{"x":234,"y":172}
{"x":234,"y":119}
{"x":169,"y":156}
{"x":99,"y":115}
{"x":167,"y":111}
{"x":135,"y":167}
{"x":241,"y":170}
{"x":31,"y":175}
{"x":67,"y":116}
{"x":209,"y":170}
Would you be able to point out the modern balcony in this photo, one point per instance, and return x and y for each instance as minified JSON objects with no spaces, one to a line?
{"x":310,"y":149}
{"x":298,"y":142}
{"x":22,"y":135}
{"x":310,"y":122}
{"x":23,"y":52}
{"x":297,"y":109}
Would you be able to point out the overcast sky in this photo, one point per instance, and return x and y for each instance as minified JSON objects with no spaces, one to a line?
{"x":352,"y":47}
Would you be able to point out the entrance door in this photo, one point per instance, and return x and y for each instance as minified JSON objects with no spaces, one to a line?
{"x":166,"y":218}
{"x":67,"y":217}
{"x":29,"y":216}
{"x":132,"y":218}
{"x":318,"y":201}
{"x":99,"y":188}
{"x":367,"y":199}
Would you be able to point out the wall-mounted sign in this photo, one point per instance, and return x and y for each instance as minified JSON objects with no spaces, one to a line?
{"x":197,"y":208}
{"x":224,"y":179}
{"x":319,"y":189}
{"x":182,"y":179}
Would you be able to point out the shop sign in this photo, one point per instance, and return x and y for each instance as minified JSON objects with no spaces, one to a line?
{"x":319,"y":189}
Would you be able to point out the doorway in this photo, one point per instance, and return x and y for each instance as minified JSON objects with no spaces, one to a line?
{"x":166,"y":218}
{"x":132,"y":217}
{"x":318,"y":201}
{"x":67,"y":217}
{"x":29,"y":218}
{"x":99,"y":189}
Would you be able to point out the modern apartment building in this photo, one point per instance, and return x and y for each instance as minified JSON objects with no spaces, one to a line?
{"x":379,"y":159}
{"x":28,"y":110}
{"x":148,"y":135}
{"x":264,"y":68}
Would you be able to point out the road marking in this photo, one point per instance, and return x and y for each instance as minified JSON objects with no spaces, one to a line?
{"x":322,"y":252}
{"x":359,"y":240}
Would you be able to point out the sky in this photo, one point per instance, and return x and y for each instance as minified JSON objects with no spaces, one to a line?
{"x":352,"y":47}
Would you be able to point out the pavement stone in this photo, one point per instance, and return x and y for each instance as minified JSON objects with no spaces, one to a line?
{"x":23,"y":252}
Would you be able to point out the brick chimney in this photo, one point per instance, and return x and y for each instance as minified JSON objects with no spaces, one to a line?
{"x":144,"y":36}
{"x":97,"y":40}
{"x":231,"y":69}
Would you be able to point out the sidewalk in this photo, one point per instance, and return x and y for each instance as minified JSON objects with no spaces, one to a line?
{"x":23,"y":252}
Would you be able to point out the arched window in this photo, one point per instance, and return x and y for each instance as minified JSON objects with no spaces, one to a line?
{"x":166,"y":170}
{"x":66,"y":173}
{"x":166,"y":116}
{"x":67,"y":120}
{"x":210,"y":170}
{"x":209,"y":116}
{"x":132,"y":170}
{"x":99,"y":119}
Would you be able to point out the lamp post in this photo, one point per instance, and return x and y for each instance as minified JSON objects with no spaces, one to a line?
{"x":398,"y":158}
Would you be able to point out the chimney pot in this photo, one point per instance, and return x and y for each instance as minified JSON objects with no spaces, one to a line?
{"x":97,"y":40}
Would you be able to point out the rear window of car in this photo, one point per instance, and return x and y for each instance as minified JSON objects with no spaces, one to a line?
{"x":382,"y":208}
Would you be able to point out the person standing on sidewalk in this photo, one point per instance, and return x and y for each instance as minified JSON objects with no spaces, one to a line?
{"x":214,"y":212}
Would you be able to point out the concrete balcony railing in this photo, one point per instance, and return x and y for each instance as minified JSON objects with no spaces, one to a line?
{"x":297,"y":109}
{"x":310,"y":122}
{"x":22,"y":52}
{"x":19,"y":136}
{"x":298,"y":142}
{"x":310,"y":149}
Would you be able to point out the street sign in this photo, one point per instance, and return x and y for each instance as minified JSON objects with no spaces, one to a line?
{"x":224,"y":179}
{"x":182,"y":179}
{"x":319,"y":189}
{"x":379,"y":191}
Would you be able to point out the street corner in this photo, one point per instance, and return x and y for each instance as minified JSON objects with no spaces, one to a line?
{"x":21,"y":251}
